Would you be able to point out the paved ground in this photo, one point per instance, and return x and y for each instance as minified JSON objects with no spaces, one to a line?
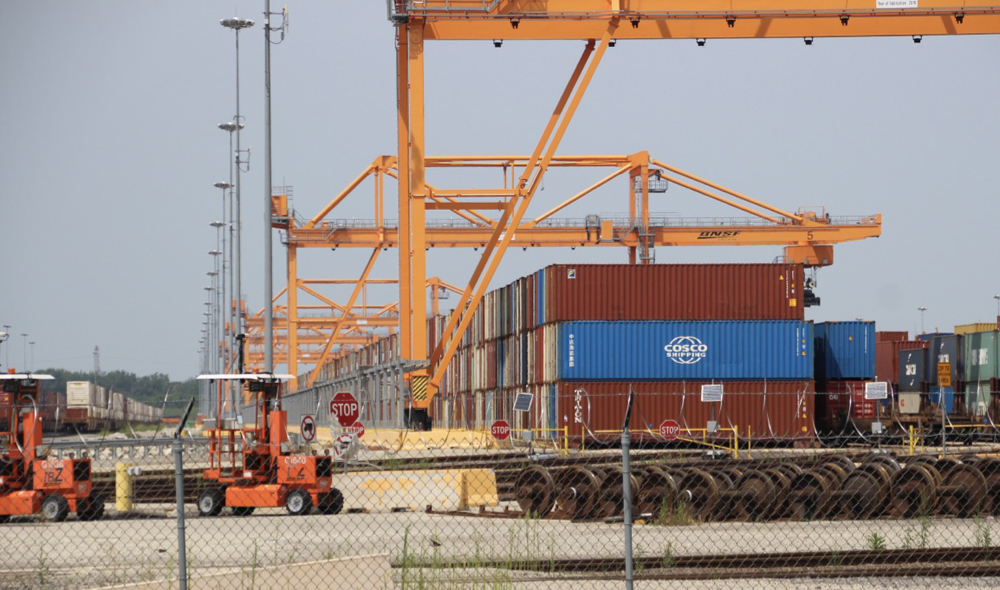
{"x":80,"y":554}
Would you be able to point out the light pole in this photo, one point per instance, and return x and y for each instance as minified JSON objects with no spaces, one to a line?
{"x":3,"y":338}
{"x":32,"y":365}
{"x":210,"y":323}
{"x":997,"y":297}
{"x":237,"y":24}
{"x":222,"y":316}
{"x":24,"y":336}
{"x":268,"y":286}
{"x":220,"y":265}
{"x":921,"y":310}
{"x":6,"y":329}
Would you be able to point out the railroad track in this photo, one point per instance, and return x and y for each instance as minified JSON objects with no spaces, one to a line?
{"x":953,"y":561}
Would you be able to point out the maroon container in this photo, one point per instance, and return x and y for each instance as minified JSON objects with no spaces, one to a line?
{"x":771,"y":411}
{"x":836,"y":400}
{"x":673,"y":292}
{"x":891,"y":336}
{"x":887,"y":357}
{"x":76,"y":417}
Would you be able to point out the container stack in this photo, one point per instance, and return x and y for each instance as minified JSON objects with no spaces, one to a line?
{"x":579,"y":337}
{"x":845,"y":361}
{"x":944,"y":348}
{"x":981,"y":372}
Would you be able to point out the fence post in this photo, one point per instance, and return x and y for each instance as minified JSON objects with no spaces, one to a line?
{"x":627,"y":492}
{"x":179,"y":485}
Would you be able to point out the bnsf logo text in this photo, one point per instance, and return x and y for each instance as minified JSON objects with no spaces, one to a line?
{"x":714,"y":235}
{"x":686,"y":350}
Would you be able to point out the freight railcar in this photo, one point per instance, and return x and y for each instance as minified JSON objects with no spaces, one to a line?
{"x":86,"y":407}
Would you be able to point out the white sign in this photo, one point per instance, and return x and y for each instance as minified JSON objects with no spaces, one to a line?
{"x":711,"y":393}
{"x":876,"y":390}
{"x":896,"y":4}
{"x":308,"y":428}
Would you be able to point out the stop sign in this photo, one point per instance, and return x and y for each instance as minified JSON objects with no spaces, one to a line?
{"x":344,"y":407}
{"x":669,"y":429}
{"x":357,"y":429}
{"x":500,"y":430}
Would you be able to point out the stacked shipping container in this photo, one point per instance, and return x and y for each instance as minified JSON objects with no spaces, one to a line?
{"x":981,"y":371}
{"x":570,"y":333}
{"x":845,"y":360}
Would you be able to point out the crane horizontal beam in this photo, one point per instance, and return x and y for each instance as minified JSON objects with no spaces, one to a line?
{"x":695,"y":232}
{"x":701,"y":19}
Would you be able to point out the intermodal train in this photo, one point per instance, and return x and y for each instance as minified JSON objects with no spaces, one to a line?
{"x":957,"y":367}
{"x":87,"y":407}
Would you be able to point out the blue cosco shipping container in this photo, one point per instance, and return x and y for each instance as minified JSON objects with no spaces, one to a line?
{"x":845,"y":350}
{"x":682,"y":350}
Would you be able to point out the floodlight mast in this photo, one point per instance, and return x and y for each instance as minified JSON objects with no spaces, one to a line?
{"x":237,"y":24}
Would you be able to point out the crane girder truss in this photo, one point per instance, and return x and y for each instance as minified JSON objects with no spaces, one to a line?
{"x":327,"y":329}
{"x":692,"y":19}
{"x":493,"y":219}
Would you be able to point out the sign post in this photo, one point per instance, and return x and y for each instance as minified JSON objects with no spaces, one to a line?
{"x":944,"y":380}
{"x":712,"y":394}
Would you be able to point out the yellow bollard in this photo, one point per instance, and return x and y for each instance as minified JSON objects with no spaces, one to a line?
{"x":124,"y":489}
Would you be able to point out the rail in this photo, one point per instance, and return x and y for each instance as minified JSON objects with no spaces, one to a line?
{"x":734,"y":450}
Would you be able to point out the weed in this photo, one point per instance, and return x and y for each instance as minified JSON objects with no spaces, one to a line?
{"x":43,"y":567}
{"x":836,"y":559}
{"x":876,"y":542}
{"x":668,"y":556}
{"x":984,"y":532}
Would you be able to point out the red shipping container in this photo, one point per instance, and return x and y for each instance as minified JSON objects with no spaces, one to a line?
{"x":673,"y":292}
{"x":771,"y":410}
{"x":835,"y":398}
{"x":887,"y":358}
{"x":891,"y":336}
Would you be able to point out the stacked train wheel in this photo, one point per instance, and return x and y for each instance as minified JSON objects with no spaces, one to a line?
{"x":877,"y":485}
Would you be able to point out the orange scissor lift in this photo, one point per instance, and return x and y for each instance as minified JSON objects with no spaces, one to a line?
{"x":248,"y":467}
{"x":30,"y":481}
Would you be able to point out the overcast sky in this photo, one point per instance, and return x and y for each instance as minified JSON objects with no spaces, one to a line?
{"x":110,"y":149}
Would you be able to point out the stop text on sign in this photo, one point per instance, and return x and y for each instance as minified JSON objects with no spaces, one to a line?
{"x":670,"y":429}
{"x":344,"y":406}
{"x":500,"y":430}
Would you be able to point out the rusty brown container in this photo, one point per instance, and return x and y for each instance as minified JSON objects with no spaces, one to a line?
{"x":758,"y":410}
{"x":670,"y":292}
{"x":887,"y":357}
{"x":891,"y":336}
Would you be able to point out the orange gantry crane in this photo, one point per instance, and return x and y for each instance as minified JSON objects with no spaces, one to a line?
{"x":494,"y":218}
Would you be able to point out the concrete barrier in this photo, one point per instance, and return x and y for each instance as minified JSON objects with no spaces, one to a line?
{"x":442,"y":490}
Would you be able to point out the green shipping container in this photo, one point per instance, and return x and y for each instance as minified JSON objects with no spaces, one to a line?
{"x":977,"y":398}
{"x":981,"y":356}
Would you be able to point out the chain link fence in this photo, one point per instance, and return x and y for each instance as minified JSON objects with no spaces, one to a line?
{"x":510,"y":507}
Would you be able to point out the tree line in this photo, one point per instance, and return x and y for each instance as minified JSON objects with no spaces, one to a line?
{"x":148,"y":389}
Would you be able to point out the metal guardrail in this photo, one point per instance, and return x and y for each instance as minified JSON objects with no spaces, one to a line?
{"x":121,"y":447}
